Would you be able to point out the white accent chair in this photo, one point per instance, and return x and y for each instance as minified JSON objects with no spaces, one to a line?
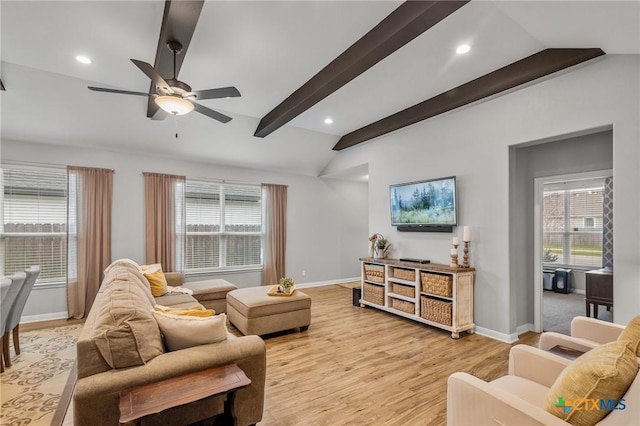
{"x":518,"y":398}
{"x":586,"y":334}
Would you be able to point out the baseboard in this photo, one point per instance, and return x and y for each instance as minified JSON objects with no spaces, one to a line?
{"x":525,"y":328}
{"x":502,"y":337}
{"x":43,"y":317}
{"x":330,"y":282}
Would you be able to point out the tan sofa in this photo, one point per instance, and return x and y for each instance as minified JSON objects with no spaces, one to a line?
{"x":121,"y":347}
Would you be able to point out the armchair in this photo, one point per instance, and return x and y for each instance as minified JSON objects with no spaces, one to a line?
{"x":519,"y":397}
{"x":586,"y":334}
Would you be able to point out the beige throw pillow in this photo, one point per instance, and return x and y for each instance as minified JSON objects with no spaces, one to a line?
{"x":181,"y":331}
{"x":605,"y":372}
{"x":125,"y":332}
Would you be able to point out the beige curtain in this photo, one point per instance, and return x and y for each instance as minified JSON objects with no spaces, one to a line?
{"x":89,"y":218}
{"x":164,"y":219}
{"x":275,"y":198}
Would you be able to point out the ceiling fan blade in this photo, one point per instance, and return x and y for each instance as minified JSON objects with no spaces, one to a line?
{"x":153,"y":75}
{"x":212,"y":114}
{"x":222,"y":92}
{"x":124,"y":92}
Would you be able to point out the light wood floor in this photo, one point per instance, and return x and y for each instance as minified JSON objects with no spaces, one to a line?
{"x":362,"y":366}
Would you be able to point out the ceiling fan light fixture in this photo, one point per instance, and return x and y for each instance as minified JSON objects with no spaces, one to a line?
{"x":174,"y":105}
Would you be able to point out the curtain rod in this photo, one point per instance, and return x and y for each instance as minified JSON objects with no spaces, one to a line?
{"x":48,"y":165}
{"x":207,"y":179}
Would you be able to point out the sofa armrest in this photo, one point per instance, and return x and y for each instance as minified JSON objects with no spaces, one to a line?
{"x":96,"y":398}
{"x":535,"y":364}
{"x":174,"y":279}
{"x":472,"y":402}
{"x":549,"y":339}
{"x":595,"y":330}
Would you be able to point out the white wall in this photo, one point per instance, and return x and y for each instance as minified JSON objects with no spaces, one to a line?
{"x":473,"y":144}
{"x":325,"y":216}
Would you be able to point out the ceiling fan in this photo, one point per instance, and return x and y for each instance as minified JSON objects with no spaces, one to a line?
{"x":175,"y":96}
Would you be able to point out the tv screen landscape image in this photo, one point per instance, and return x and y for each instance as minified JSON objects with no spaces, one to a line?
{"x":424,"y":203}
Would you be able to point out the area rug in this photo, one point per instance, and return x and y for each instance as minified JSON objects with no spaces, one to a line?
{"x":31,"y":388}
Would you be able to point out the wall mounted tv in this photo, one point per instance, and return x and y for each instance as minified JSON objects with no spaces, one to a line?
{"x":428,"y":205}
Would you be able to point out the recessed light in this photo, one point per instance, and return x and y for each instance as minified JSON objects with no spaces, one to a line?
{"x":328,"y":120}
{"x":83,"y":59}
{"x":462,"y":49}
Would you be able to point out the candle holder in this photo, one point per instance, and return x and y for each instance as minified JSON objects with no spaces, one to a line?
{"x":454,"y":257}
{"x":465,"y":258}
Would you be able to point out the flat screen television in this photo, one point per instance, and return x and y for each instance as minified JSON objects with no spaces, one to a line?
{"x":427,"y":203}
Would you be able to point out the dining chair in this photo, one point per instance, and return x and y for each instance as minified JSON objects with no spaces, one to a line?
{"x":13,"y":321}
{"x":8,"y":299}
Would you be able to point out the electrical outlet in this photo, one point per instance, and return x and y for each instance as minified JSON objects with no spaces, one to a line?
{"x":304,"y":273}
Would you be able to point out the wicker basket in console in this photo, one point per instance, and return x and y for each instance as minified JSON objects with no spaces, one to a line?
{"x":402,"y":305}
{"x":404,"y":274}
{"x":373,"y":293}
{"x":404,"y":290}
{"x":437,"y":284}
{"x":374,"y":273}
{"x":439,"y":311}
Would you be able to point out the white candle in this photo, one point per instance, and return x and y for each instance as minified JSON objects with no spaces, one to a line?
{"x":455,"y":241}
{"x":453,"y":252}
{"x":467,"y":234}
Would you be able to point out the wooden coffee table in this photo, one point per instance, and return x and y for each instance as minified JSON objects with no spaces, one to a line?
{"x":154,"y":398}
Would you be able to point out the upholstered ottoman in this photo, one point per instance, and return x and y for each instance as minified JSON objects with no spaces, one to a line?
{"x":252,"y":311}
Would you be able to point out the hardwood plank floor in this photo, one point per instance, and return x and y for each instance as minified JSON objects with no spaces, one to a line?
{"x":362,"y":366}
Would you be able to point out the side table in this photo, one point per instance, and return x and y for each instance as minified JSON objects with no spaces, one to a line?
{"x":153,"y":398}
{"x":599,"y":290}
{"x":566,"y":352}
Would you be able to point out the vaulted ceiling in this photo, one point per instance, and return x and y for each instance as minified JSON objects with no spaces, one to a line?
{"x":268,"y":50}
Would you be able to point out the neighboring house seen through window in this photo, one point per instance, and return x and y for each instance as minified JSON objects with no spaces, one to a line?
{"x":572,"y":223}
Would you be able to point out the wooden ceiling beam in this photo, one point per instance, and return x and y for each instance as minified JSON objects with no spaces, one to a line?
{"x":178,"y":23}
{"x":404,"y":24}
{"x":538,"y":65}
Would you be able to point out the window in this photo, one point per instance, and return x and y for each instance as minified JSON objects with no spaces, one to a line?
{"x":572,"y":223}
{"x":34,"y":222}
{"x":223,"y":226}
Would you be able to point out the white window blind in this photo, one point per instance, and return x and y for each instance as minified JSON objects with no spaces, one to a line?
{"x":34,"y":222}
{"x":223,"y":226}
{"x":572,"y":224}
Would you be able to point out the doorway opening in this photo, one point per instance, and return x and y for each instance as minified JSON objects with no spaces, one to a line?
{"x":570,"y":223}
